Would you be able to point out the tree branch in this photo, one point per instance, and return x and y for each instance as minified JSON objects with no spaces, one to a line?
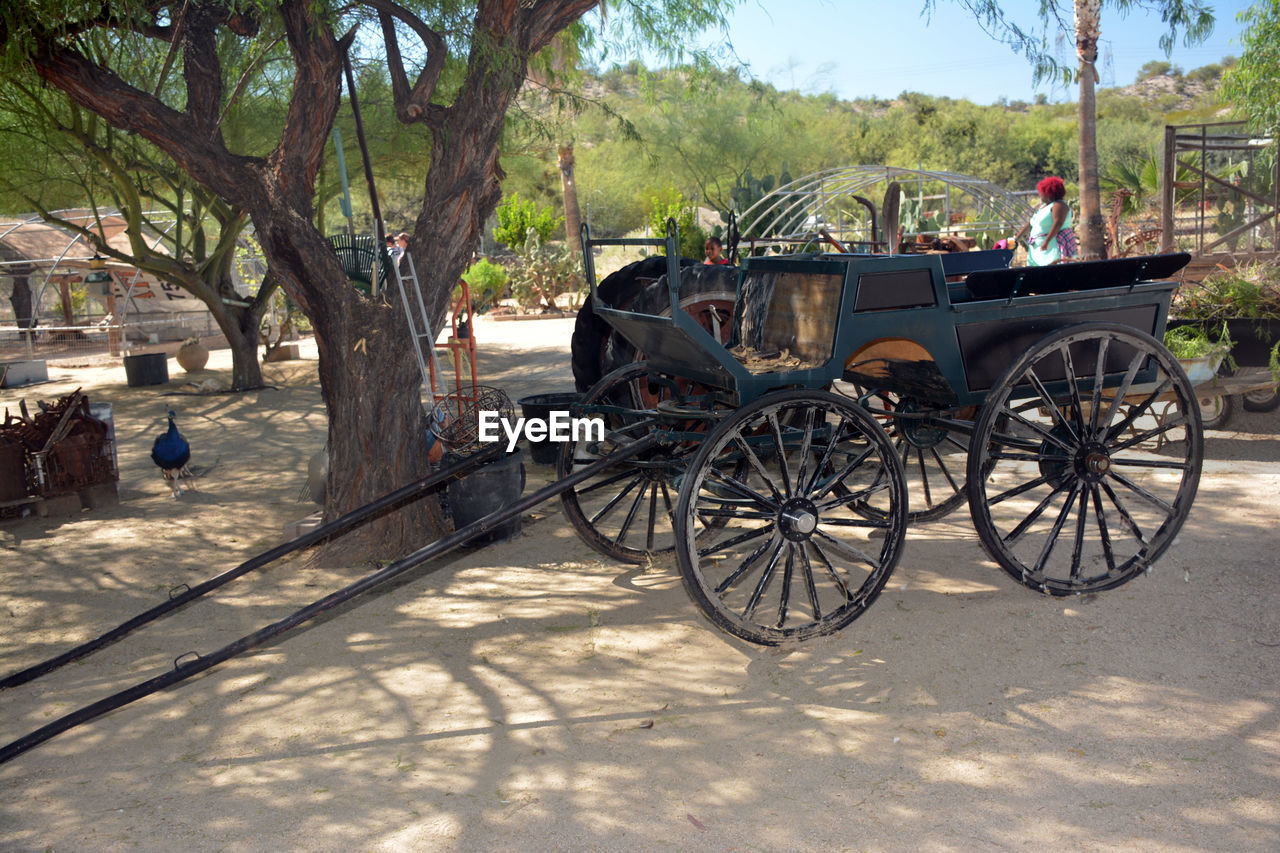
{"x":412,"y":104}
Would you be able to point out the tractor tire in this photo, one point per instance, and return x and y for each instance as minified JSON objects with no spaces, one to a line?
{"x":707,"y":294}
{"x":591,"y":334}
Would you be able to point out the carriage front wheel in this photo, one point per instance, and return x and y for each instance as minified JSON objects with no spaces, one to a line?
{"x":1093,"y":442}
{"x":791,"y":517}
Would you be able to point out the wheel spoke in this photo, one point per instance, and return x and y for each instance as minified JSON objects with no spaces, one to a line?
{"x":741,"y":489}
{"x":1125,"y":515}
{"x":1104,"y":534}
{"x":1038,"y":429}
{"x":1164,"y":464}
{"x":721,"y":511}
{"x":1018,"y":490}
{"x":735,"y":541}
{"x":1050,"y":404}
{"x":826,"y":457}
{"x":1055,"y":531}
{"x":776,"y":431}
{"x":854,"y":497}
{"x":831,"y":482}
{"x":666,"y":502}
{"x":1099,"y":374}
{"x":754,"y":462}
{"x":946,"y":472}
{"x":1155,"y":432}
{"x":766,"y":577}
{"x":631,"y":515}
{"x":869,"y":523}
{"x":746,"y":565}
{"x":845,"y":548}
{"x":831,"y":572}
{"x":806,"y":442}
{"x":924,"y":478}
{"x":1131,"y":373}
{"x":1155,"y":500}
{"x":1138,"y":410}
{"x":1016,"y":533}
{"x":609,"y":481}
{"x":810,"y":586}
{"x":1015,"y":457}
{"x":653,"y":516}
{"x":784,"y":599}
{"x":608,"y":508}
{"x":1077,"y":409}
{"x":1077,"y":546}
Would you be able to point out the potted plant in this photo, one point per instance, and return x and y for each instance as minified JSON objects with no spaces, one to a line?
{"x":1240,"y":306}
{"x":192,"y":355}
{"x":1201,"y":354}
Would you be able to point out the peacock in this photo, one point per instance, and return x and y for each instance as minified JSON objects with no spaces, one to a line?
{"x":171,"y":453}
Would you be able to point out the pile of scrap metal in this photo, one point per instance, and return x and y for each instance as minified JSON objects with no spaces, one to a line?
{"x":62,"y":449}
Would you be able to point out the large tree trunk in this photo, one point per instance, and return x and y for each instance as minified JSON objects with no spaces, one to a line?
{"x":1092,"y":224}
{"x":371,"y":387}
{"x":239,"y":325}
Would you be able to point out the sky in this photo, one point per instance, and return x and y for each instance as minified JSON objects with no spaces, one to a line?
{"x":881,"y":48}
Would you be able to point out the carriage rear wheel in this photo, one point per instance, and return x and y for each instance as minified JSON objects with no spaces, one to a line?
{"x":1089,"y":480}
{"x":773,"y":533}
{"x":626,"y":510}
{"x":933,"y":453}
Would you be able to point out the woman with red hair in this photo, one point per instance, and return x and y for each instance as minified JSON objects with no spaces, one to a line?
{"x":1051,"y":238}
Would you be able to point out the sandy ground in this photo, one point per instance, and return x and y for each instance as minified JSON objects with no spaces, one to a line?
{"x":535,"y":696}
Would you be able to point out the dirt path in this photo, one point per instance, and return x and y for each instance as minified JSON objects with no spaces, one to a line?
{"x":535,"y":696}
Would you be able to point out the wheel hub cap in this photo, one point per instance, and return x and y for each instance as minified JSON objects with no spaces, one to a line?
{"x":798,"y":520}
{"x":1093,"y":462}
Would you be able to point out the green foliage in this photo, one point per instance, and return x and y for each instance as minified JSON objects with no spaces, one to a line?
{"x":545,"y":273}
{"x":1196,"y":342}
{"x":1251,"y":291}
{"x":487,"y":282}
{"x":517,"y":218}
{"x":1158,"y":68}
{"x":1251,"y":84}
{"x":671,"y":204}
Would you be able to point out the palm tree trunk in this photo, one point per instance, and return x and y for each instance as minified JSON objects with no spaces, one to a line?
{"x":1092,"y":224}
{"x":572,"y":213}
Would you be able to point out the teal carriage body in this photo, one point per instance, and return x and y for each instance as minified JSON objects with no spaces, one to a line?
{"x":850,"y":395}
{"x":835,"y":307}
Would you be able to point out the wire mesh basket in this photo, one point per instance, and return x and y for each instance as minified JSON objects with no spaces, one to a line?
{"x":455,"y":419}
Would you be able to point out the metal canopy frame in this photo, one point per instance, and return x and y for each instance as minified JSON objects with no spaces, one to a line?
{"x":1210,"y":152}
{"x":794,"y":212}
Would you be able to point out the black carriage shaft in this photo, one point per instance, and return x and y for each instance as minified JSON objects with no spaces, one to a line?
{"x":184,"y":669}
{"x":190,"y":593}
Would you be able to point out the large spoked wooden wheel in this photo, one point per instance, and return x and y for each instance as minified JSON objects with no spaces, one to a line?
{"x":626,"y":510}
{"x":791,"y":517}
{"x":933,"y":452}
{"x":1089,"y":478}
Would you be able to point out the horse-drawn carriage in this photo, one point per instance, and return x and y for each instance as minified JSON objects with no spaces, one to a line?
{"x":850,"y":395}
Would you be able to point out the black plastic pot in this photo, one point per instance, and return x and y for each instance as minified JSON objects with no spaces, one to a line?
{"x":541,"y":406}
{"x":1251,"y":339}
{"x":150,"y":368}
{"x":486,"y":490}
